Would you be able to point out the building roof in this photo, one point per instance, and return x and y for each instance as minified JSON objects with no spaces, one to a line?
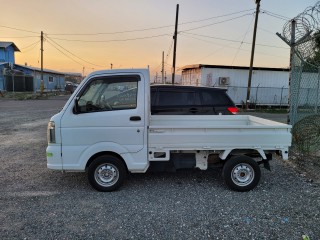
{"x":196,"y":66}
{"x":7,"y":44}
{"x":49,"y":71}
{"x":39,"y":69}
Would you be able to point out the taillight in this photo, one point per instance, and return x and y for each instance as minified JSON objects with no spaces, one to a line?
{"x":233,"y":110}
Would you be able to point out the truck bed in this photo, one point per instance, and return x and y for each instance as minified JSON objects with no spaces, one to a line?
{"x":217,"y":132}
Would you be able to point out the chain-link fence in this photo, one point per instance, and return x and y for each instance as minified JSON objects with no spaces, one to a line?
{"x":303,"y":35}
{"x":304,"y":89}
{"x":260,"y":96}
{"x":305,"y":114}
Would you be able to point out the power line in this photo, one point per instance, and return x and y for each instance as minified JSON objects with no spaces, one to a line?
{"x":18,"y":29}
{"x":37,"y":44}
{"x":242,"y":41}
{"x":228,"y":46}
{"x":167,"y":57}
{"x":275,"y":15}
{"x":223,"y":46}
{"x":20,"y":37}
{"x":147,"y":29}
{"x":30,"y":45}
{"x":65,"y":54}
{"x":265,"y":30}
{"x":208,"y":25}
{"x":169,"y":51}
{"x":113,"y":40}
{"x":230,"y":40}
{"x":108,"y":33}
{"x":225,"y":15}
{"x":74,"y":54}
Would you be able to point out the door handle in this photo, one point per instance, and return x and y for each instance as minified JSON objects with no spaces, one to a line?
{"x":135,"y":118}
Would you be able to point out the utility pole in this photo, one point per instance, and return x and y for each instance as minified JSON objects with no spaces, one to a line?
{"x":41,"y":55}
{"x":162,"y":70}
{"x":41,"y":80}
{"x":252,"y":52}
{"x":111,"y":65}
{"x":175,"y":45}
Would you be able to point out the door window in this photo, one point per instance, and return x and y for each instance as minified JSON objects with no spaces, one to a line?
{"x":109,"y":94}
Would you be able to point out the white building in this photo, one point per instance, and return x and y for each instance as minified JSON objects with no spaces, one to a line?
{"x":269,"y":86}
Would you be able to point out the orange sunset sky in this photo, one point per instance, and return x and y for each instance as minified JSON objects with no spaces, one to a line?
{"x":83,"y":35}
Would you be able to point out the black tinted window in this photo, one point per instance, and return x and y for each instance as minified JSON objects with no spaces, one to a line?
{"x":215,"y":98}
{"x":177,"y":98}
{"x":153,"y":96}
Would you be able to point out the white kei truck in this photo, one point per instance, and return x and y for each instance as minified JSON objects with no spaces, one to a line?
{"x":106,"y":129}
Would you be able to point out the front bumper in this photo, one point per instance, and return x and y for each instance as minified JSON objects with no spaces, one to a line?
{"x":54,"y":160}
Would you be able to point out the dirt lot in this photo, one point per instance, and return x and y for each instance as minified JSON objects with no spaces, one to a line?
{"x":37,"y":203}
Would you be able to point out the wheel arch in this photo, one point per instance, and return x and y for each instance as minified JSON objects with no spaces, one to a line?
{"x":228,"y":153}
{"x":102,"y":153}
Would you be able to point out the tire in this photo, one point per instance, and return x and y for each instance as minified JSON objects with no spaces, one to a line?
{"x":106,"y":173}
{"x":241,"y":173}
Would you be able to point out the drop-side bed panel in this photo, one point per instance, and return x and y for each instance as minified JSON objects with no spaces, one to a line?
{"x":217,"y":132}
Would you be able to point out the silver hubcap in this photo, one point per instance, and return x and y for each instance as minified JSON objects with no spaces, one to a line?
{"x":106,"y":174}
{"x":242,"y":174}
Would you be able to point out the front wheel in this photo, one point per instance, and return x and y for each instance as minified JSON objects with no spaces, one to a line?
{"x":106,"y":173}
{"x":241,"y":173}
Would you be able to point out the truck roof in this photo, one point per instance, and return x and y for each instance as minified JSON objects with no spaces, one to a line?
{"x":119,"y":71}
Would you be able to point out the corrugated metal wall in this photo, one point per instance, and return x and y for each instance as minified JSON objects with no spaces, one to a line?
{"x":267,"y":87}
{"x":239,"y":77}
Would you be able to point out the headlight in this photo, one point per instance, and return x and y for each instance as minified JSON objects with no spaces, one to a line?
{"x":51,"y":133}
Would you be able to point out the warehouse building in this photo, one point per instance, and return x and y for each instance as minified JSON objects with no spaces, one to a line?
{"x":269,"y":86}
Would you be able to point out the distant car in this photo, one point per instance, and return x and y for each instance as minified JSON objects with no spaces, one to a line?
{"x":70,"y":87}
{"x":190,"y":100}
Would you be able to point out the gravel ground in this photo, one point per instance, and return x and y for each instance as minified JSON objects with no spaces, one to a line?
{"x":37,"y":203}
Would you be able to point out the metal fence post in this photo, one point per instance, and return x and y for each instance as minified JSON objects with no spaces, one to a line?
{"x":281,"y":97}
{"x":257,"y":96}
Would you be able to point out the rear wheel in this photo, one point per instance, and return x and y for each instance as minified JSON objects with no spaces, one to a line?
{"x":241,"y":173}
{"x":106,"y":173}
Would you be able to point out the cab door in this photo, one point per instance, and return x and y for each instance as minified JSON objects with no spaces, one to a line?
{"x":109,"y":112}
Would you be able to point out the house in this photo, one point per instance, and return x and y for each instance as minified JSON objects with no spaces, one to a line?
{"x":7,"y":50}
{"x":20,"y":78}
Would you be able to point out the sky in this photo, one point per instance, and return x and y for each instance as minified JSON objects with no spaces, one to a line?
{"x":86,"y":35}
